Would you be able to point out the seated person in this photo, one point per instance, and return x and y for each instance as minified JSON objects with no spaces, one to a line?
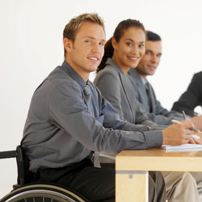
{"x":122,"y":53}
{"x":68,"y":120}
{"x":146,"y":95}
{"x":144,"y":90}
{"x":114,"y":82}
{"x":191,"y":98}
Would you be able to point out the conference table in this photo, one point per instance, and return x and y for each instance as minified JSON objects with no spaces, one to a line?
{"x":132,"y":170}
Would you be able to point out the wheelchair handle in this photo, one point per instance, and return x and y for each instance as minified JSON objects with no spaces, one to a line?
{"x":8,"y":154}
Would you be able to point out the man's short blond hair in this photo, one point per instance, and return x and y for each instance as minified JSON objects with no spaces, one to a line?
{"x":75,"y":23}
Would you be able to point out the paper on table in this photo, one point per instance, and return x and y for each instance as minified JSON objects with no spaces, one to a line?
{"x":182,"y":148}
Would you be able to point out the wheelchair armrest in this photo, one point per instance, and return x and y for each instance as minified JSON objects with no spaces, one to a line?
{"x":24,"y":175}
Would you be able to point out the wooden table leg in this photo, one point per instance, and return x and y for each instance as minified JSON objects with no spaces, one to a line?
{"x":132,"y":186}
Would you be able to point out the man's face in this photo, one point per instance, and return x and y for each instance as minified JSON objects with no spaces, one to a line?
{"x":150,"y":61}
{"x":84,"y":54}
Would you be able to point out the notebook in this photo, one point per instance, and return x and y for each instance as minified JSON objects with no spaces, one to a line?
{"x":182,"y":148}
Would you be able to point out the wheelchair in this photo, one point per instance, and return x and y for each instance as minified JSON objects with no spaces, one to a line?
{"x":24,"y":191}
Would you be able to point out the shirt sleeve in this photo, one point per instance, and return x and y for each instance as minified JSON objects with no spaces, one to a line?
{"x":69,"y":111}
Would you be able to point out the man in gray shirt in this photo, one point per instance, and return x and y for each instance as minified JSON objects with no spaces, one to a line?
{"x":69,"y":119}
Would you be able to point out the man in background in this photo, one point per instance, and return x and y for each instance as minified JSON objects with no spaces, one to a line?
{"x":146,"y":96}
{"x":191,"y":98}
{"x":144,"y":90}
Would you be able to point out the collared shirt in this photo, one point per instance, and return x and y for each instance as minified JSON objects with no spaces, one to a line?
{"x":144,"y":81}
{"x":65,"y":123}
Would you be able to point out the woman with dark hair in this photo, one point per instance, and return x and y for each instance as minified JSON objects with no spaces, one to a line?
{"x":123,"y":52}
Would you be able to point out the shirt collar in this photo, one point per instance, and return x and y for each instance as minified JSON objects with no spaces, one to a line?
{"x":143,"y":79}
{"x":68,"y":69}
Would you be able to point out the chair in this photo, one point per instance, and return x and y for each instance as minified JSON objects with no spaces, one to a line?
{"x":25,"y":191}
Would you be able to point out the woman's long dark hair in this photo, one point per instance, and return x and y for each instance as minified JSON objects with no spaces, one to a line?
{"x":118,"y":33}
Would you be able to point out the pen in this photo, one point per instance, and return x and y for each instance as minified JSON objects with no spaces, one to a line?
{"x":184,"y":115}
{"x":193,"y":125}
{"x":195,"y":137}
{"x":176,"y":121}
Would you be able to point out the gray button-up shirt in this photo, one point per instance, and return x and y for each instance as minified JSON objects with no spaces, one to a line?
{"x":68,"y":118}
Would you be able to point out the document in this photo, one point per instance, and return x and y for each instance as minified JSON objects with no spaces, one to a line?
{"x":182,"y":147}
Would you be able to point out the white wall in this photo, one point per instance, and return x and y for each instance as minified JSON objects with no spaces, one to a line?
{"x":31,"y":46}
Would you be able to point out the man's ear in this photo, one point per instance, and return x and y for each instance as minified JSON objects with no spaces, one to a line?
{"x":67,"y":44}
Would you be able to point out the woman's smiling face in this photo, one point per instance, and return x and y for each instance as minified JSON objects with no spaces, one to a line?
{"x":129,"y":49}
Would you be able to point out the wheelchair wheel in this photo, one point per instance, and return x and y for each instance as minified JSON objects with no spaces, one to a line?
{"x":42,"y":193}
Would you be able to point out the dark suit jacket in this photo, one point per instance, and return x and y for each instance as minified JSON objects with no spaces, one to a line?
{"x":192,"y":97}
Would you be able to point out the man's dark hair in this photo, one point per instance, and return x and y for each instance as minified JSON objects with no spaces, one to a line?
{"x":151,"y":36}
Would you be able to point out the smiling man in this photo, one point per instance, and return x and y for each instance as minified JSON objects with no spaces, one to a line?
{"x":176,"y":183}
{"x":144,"y":90}
{"x":69,"y":119}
